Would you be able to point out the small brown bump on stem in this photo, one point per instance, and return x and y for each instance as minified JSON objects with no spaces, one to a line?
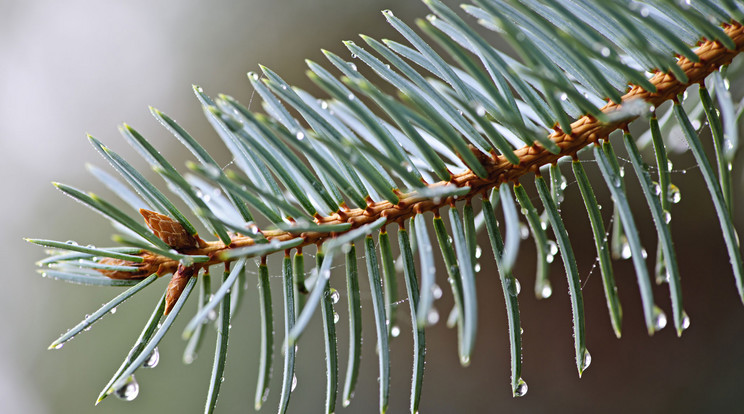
{"x":176,"y":286}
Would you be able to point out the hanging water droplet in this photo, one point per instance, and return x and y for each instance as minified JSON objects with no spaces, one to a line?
{"x":552,"y":248}
{"x":436,"y":291}
{"x":336,"y":317}
{"x":521,"y":389}
{"x":625,"y":251}
{"x":564,"y":182}
{"x":478,"y":252}
{"x":513,"y":286}
{"x":464,"y":361}
{"x":685,"y":320}
{"x":294,"y":382}
{"x":586,"y":360}
{"x":129,"y":390}
{"x":152,"y":359}
{"x":549,"y":258}
{"x":58,"y":346}
{"x":670,"y":166}
{"x":644,"y":253}
{"x":660,"y":319}
{"x":353,"y":66}
{"x":395,"y":331}
{"x":335,"y":296}
{"x":432,"y":317}
{"x":675,"y":196}
{"x":301,"y":135}
{"x":546,"y":291}
{"x":113,"y":310}
{"x":543,"y":224}
{"x":667,"y":217}
{"x":524,"y":231}
{"x":477,"y":268}
{"x":622,"y":171}
{"x":656,"y":188}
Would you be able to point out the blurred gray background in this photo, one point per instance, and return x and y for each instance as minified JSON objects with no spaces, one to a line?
{"x":76,"y":67}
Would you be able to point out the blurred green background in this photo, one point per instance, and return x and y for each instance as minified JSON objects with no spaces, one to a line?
{"x":83,"y":66}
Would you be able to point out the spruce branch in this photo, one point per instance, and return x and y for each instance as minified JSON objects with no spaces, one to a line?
{"x":584,"y":131}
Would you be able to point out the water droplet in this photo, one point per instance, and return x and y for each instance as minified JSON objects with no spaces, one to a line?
{"x":546,"y":291}
{"x":660,"y":319}
{"x":644,"y":253}
{"x":335,"y":296}
{"x":656,"y":188}
{"x":129,"y":390}
{"x":524,"y":231}
{"x":395,"y":331}
{"x":552,"y":248}
{"x":667,"y":217}
{"x":113,"y":310}
{"x":625,"y":252}
{"x":284,"y":87}
{"x":521,"y":389}
{"x":336,"y":317}
{"x":436,"y":291}
{"x":300,"y":136}
{"x":727,"y":144}
{"x":152,"y":359}
{"x":254,"y":76}
{"x":353,"y":66}
{"x":670,"y":166}
{"x":550,"y":258}
{"x":563,"y":96}
{"x":675,"y":196}
{"x":294,"y":382}
{"x":432,"y":317}
{"x":477,"y":268}
{"x":587,"y":360}
{"x":350,"y":96}
{"x":605,"y":51}
{"x":464,"y":361}
{"x":513,"y":286}
{"x":622,"y":171}
{"x":645,"y":12}
{"x":685,"y":320}
{"x":478,"y":252}
{"x":58,"y":346}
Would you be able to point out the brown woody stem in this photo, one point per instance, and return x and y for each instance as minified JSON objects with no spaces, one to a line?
{"x":585,"y":131}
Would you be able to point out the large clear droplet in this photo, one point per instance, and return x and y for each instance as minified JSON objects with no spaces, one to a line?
{"x":675,"y":196}
{"x":129,"y":390}
{"x":152,"y":359}
{"x":513,"y":286}
{"x":586,"y":360}
{"x":294,"y":382}
{"x":660,"y":319}
{"x":335,"y":296}
{"x":521,"y":389}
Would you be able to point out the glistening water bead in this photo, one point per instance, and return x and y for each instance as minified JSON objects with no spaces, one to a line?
{"x":129,"y":391}
{"x":152,"y":360}
{"x":521,"y":389}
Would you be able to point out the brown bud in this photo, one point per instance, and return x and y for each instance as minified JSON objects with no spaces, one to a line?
{"x":176,"y":286}
{"x":118,"y":274}
{"x":168,"y":230}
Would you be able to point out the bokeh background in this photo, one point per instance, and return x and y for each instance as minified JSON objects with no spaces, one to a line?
{"x":76,"y":67}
